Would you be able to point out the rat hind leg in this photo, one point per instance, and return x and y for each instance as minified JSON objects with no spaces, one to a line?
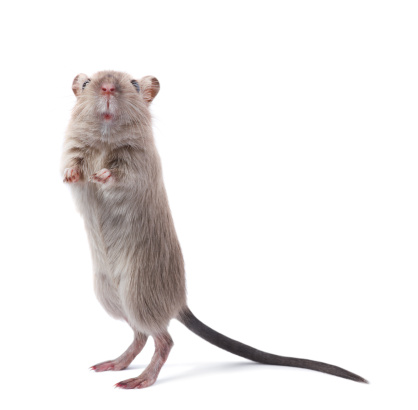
{"x":125,"y":359}
{"x":163,"y":345}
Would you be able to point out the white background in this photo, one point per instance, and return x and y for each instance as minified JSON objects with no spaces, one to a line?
{"x":288,"y":135}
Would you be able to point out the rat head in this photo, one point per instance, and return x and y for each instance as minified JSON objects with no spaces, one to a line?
{"x":112,"y":98}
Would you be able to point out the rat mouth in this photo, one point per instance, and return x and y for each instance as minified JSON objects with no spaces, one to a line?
{"x":107,"y":116}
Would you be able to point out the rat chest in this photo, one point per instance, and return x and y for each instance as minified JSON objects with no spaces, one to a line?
{"x":94,"y":162}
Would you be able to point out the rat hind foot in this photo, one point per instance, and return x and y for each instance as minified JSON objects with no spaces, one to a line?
{"x":136,"y":383}
{"x":124,"y":360}
{"x":110,"y":365}
{"x":163,"y":345}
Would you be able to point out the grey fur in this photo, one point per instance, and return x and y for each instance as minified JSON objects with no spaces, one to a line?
{"x":138,"y":264}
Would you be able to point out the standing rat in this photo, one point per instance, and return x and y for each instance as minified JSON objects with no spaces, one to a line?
{"x":114,"y":170}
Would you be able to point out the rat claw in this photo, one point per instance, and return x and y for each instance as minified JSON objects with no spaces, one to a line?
{"x":71,"y":175}
{"x":103,"y":176}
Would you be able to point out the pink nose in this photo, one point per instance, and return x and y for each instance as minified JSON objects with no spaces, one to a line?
{"x":108,"y":88}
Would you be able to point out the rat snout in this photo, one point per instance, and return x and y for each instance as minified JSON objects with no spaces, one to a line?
{"x":108,"y":89}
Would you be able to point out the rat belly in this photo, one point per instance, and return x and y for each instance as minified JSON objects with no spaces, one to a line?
{"x":138,"y":267}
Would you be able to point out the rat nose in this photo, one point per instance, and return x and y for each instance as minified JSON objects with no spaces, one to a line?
{"x":108,"y":88}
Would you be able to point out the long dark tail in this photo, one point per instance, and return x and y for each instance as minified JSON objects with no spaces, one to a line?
{"x":205,"y":332}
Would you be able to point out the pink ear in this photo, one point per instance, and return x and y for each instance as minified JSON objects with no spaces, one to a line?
{"x":149,"y":87}
{"x":78,"y":82}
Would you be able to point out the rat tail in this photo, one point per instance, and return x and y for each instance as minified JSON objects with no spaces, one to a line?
{"x":205,"y":332}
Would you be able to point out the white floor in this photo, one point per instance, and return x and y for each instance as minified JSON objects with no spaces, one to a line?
{"x":288,"y":137}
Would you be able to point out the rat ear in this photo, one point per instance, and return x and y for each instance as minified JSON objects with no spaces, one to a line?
{"x":149,"y":87}
{"x":79,"y":83}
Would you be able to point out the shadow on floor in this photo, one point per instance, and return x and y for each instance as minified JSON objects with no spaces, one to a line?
{"x":205,"y":368}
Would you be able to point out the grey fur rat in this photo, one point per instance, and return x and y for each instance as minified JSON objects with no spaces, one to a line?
{"x":111,"y":162}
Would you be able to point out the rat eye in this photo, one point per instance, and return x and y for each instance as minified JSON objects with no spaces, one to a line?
{"x":85,"y":83}
{"x":135,"y":84}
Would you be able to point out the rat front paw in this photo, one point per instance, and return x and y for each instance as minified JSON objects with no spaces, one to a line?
{"x":102,"y":177}
{"x":71,"y":175}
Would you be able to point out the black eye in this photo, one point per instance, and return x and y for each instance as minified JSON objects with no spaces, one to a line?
{"x":85,"y":83}
{"x":135,"y":84}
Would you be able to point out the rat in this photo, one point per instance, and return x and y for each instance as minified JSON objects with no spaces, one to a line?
{"x":112,"y":165}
